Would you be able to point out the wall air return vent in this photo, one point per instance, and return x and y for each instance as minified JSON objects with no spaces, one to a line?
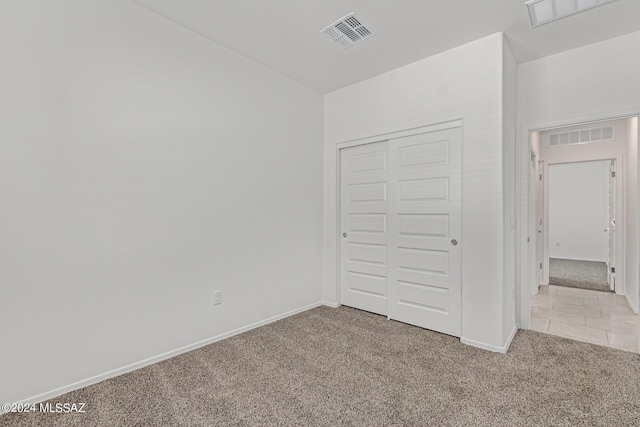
{"x":581,"y":136}
{"x":544,"y":11}
{"x":348,"y":31}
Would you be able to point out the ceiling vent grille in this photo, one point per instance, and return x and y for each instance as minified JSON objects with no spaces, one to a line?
{"x":348,"y":31}
{"x":544,"y":11}
{"x":581,"y":136}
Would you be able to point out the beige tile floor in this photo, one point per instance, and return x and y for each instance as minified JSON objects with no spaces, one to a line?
{"x":597,"y":317}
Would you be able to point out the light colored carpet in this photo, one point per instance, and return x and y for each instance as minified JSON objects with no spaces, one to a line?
{"x":328,"y":367}
{"x":578,"y":274}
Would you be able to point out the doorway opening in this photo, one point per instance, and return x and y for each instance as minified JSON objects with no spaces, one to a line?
{"x":583,"y":232}
{"x":582,"y":207}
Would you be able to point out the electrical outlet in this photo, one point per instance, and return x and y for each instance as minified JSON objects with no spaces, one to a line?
{"x":217,"y":297}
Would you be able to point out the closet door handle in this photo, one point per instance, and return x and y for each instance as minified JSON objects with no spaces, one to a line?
{"x":454,"y":242}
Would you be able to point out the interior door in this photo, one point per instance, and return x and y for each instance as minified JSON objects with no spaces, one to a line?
{"x":363,"y":218}
{"x":425,"y":208}
{"x":611,"y":227}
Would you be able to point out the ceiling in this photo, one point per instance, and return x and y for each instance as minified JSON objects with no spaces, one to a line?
{"x":284,"y":35}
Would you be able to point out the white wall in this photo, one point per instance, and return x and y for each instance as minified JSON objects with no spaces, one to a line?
{"x":578,"y":210}
{"x":141,"y":168}
{"x":465,"y":82}
{"x":597,"y":81}
{"x":632,"y":274}
{"x":511,"y":251}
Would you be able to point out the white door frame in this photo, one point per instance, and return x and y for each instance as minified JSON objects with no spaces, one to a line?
{"x":619,"y":209}
{"x":523,"y":174}
{"x":370,"y":140}
{"x":535,"y":176}
{"x":612,"y":214}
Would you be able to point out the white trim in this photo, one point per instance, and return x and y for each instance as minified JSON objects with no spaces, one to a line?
{"x":399,"y":134}
{"x":512,"y":335}
{"x":155,"y":359}
{"x":338,"y":222}
{"x":331,"y":304}
{"x":496,"y":349}
{"x":633,"y":307}
{"x":582,"y":120}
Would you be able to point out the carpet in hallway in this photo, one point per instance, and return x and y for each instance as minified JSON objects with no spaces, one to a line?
{"x":578,"y":274}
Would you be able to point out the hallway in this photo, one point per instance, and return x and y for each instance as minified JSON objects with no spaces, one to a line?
{"x":578,"y":274}
{"x":602,"y":318}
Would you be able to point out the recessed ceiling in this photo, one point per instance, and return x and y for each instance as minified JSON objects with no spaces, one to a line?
{"x":285,"y":35}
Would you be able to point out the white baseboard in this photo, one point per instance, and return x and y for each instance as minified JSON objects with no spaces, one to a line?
{"x":494,"y":348}
{"x":331,"y":304}
{"x":512,"y":335}
{"x":631,"y":304}
{"x":155,"y":359}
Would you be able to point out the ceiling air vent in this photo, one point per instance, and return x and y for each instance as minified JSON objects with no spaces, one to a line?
{"x":544,"y":11}
{"x":581,"y":136}
{"x":348,"y":31}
